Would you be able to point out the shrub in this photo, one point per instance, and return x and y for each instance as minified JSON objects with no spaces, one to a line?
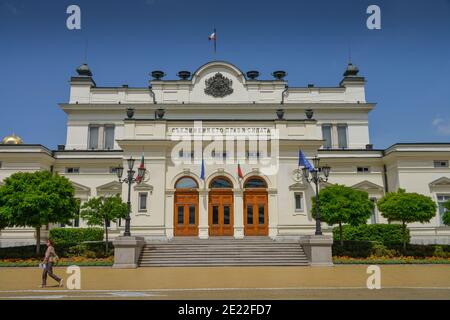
{"x":380,"y":250}
{"x":381,"y":233}
{"x":75,"y":235}
{"x":64,"y":250}
{"x":355,"y":249}
{"x":439,"y":252}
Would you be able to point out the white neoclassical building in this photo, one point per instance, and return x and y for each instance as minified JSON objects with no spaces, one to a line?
{"x":194,"y":133}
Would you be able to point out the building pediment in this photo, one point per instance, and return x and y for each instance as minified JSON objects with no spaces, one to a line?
{"x":440,"y":183}
{"x":143,"y":187}
{"x":79,"y":188}
{"x":297,"y":186}
{"x":110,"y":187}
{"x":368,"y":186}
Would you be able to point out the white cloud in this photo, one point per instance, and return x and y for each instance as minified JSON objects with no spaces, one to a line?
{"x":442,"y":125}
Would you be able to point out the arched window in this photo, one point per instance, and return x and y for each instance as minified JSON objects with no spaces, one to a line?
{"x":221,"y":182}
{"x":186,"y":183}
{"x":255,"y":182}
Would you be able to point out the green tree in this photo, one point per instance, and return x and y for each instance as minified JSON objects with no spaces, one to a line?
{"x":101,"y":210}
{"x":407,"y":208}
{"x":37,"y":199}
{"x":340,"y":204}
{"x":446,"y":216}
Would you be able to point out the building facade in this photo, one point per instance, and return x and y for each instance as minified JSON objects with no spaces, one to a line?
{"x":196,"y":133}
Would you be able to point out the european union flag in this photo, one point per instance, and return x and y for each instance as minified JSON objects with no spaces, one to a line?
{"x":303,"y":162}
{"x":202,"y":174}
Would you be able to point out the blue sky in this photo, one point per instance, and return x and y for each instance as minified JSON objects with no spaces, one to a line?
{"x":406,"y":63}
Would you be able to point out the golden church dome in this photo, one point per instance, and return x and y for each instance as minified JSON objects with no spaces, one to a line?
{"x":12,"y":139}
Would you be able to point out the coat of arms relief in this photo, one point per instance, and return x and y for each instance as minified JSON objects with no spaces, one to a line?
{"x":218,"y":86}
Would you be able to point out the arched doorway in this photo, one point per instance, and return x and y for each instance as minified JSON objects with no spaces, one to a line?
{"x":186,"y":207}
{"x":256,"y":217}
{"x":220,"y":207}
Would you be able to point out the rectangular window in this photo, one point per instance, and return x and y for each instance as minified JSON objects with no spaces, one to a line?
{"x":442,"y":198}
{"x":93,"y":137}
{"x":326,"y":135}
{"x":72,"y":170}
{"x":226,"y":215}
{"x":143,"y":201}
{"x":180,"y":214}
{"x":250,"y":214}
{"x":261,"y":218}
{"x":342,"y":136}
{"x":440,"y":163}
{"x":215,"y":215}
{"x":109,"y":137}
{"x":298,"y":197}
{"x":362,"y":169}
{"x":192,"y":214}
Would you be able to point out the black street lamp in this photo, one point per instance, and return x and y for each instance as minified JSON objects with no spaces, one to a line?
{"x":316,"y":179}
{"x":130,"y":179}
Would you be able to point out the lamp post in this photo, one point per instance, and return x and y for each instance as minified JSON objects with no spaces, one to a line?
{"x":130,"y":179}
{"x":316,"y":179}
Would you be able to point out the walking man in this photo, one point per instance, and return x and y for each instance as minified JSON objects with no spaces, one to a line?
{"x":49,"y":259}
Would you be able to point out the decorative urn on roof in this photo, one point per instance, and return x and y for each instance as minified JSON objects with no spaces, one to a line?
{"x":184,"y":75}
{"x":12,"y":139}
{"x":253,"y":74}
{"x":158,"y":74}
{"x":279,"y":74}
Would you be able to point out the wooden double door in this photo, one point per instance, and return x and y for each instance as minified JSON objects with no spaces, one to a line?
{"x":256,"y":217}
{"x":220,"y":212}
{"x":186,"y":213}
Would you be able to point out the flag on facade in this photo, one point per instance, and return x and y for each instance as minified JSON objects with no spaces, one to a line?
{"x":141,"y":166}
{"x":239,"y":171}
{"x":213,"y":37}
{"x":202,"y":174}
{"x":303,"y":162}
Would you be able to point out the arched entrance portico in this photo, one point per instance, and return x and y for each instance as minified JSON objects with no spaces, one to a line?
{"x":186,"y":207}
{"x":220,"y":207}
{"x":256,"y":217}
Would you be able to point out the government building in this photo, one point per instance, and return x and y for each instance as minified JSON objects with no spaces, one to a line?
{"x":221,"y":150}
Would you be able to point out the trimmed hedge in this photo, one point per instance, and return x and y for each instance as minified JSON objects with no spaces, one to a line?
{"x":75,"y":235}
{"x":364,"y":249}
{"x":382,"y":233}
{"x":63,"y":250}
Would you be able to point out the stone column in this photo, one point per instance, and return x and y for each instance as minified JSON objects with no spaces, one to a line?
{"x":273,"y":213}
{"x":203,"y":225}
{"x":238,"y":214}
{"x":169,"y":212}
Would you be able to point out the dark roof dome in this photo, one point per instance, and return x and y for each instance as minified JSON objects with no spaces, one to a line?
{"x":351,"y":70}
{"x":84,"y":70}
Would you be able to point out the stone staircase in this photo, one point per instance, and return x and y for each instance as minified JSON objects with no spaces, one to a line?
{"x":223,"y":251}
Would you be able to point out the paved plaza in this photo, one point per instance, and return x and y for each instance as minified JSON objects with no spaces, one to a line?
{"x":338,"y":282}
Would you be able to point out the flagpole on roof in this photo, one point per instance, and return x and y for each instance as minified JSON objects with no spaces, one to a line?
{"x":215,"y":43}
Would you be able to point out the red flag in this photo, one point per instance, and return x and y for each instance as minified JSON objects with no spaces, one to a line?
{"x":240,"y":174}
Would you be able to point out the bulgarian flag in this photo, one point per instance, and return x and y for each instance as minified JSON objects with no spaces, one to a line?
{"x":213,"y":37}
{"x":239,"y":172}
{"x":141,"y":166}
{"x":142,"y":161}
